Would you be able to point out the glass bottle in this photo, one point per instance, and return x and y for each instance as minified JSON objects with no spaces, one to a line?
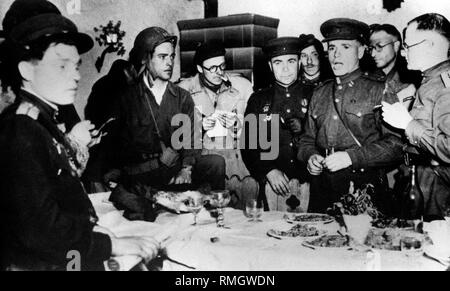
{"x":413,"y":198}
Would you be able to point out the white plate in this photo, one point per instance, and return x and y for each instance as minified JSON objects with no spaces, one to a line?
{"x":322,"y":218}
{"x":273,"y":233}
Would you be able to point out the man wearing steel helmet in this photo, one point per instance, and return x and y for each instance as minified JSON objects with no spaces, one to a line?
{"x":345,"y":139}
{"x":147,"y":124}
{"x":45,"y":212}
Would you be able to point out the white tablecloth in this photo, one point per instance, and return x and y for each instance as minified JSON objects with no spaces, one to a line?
{"x":244,"y":245}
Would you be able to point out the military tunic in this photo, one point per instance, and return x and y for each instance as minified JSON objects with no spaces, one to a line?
{"x":430,"y":133}
{"x":354,"y":96}
{"x":44,"y":210}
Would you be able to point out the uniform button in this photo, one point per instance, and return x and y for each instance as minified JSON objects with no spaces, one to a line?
{"x":288,"y":95}
{"x":336,"y":100}
{"x":354,"y":171}
{"x":291,"y":145}
{"x":292,"y":161}
{"x":335,"y":117}
{"x":315,"y":116}
{"x":59,"y":172}
{"x":359,"y":114}
{"x":339,"y":87}
{"x":288,"y":110}
{"x":362,"y":170}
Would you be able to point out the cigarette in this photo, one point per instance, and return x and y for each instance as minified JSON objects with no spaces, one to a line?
{"x":377,"y":106}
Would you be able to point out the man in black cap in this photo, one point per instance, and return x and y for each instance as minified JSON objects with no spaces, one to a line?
{"x":283,"y":107}
{"x":314,"y":68}
{"x":152,"y":151}
{"x":345,"y":139}
{"x":45,"y":213}
{"x":220,"y":98}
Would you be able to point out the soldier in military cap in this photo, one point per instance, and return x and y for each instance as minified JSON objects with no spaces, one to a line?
{"x":345,"y":139}
{"x":427,"y":126}
{"x":284,"y":105}
{"x":44,"y":211}
{"x":314,"y":68}
{"x":148,"y":152}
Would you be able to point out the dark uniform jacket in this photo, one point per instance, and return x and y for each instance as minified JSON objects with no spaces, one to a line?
{"x":287,"y":103}
{"x":44,"y":210}
{"x":138,"y":134}
{"x":429,"y":132}
{"x":355,"y":96}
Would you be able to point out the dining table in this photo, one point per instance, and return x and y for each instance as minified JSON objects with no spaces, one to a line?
{"x":244,"y":245}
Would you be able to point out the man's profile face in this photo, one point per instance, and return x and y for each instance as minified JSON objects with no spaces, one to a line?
{"x":162,"y":61}
{"x":55,"y":77}
{"x":416,"y":54}
{"x":212,"y":69}
{"x":384,"y":48}
{"x":285,"y":68}
{"x":309,"y":58}
{"x":344,"y":56}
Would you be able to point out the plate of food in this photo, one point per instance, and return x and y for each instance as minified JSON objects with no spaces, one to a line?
{"x":388,"y":222}
{"x":175,"y":201}
{"x":395,"y":239}
{"x":329,"y":241}
{"x":308,"y":218}
{"x":297,"y":231}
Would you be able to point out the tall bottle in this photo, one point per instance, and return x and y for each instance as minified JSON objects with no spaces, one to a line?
{"x":414,"y":203}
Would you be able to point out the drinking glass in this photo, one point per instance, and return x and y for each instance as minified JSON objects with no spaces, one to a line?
{"x":194,"y":205}
{"x":220,"y":199}
{"x":253,"y":210}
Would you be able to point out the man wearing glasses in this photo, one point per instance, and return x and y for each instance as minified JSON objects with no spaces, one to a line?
{"x":427,"y":126}
{"x":344,"y":138}
{"x":385,"y":44}
{"x":285,"y":100}
{"x":221,"y":99}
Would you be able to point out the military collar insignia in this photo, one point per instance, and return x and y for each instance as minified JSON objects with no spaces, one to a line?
{"x":266,"y":108}
{"x":304,"y":102}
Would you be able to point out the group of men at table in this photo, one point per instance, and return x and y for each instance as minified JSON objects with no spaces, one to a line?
{"x":322,"y":112}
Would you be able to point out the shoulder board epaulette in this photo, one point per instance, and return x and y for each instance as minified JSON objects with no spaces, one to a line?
{"x":445,"y":76}
{"x":28,"y":109}
{"x":323,"y":83}
{"x":374,"y":77}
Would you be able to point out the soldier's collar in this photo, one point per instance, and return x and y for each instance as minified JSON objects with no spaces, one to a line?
{"x":435,"y":70}
{"x":280,"y":87}
{"x":44,"y":107}
{"x":349,"y":77}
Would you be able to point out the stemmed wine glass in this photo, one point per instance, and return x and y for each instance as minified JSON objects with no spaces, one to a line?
{"x":220,"y":199}
{"x":194,"y":205}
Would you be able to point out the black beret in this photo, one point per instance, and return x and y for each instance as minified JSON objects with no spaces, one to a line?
{"x":282,"y":46}
{"x":29,"y":20}
{"x":148,"y":39}
{"x":345,"y":28}
{"x":306,"y":40}
{"x":207,"y":51}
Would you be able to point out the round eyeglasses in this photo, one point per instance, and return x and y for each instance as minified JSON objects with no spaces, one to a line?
{"x":407,"y":47}
{"x":213,"y":69}
{"x":379,"y":47}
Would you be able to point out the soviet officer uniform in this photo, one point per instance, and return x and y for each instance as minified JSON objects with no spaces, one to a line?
{"x":342,"y":118}
{"x":429,"y":133}
{"x":44,"y":210}
{"x":281,"y":103}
